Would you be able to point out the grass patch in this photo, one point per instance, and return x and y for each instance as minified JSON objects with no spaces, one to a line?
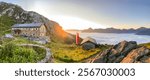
{"x":17,"y":40}
{"x":5,"y":24}
{"x":71,"y":53}
{"x":146,"y":45}
{"x":11,"y":53}
{"x":22,"y":40}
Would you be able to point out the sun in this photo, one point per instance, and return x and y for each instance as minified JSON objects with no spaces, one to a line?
{"x":68,"y":22}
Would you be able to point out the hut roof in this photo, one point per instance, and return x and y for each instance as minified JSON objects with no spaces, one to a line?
{"x":89,"y":39}
{"x":30,"y":25}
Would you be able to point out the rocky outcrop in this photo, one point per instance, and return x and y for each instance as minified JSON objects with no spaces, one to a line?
{"x":137,"y":55}
{"x":124,"y":52}
{"x":19,"y":14}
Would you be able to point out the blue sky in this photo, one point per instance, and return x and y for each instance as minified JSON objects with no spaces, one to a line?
{"x":80,"y":14}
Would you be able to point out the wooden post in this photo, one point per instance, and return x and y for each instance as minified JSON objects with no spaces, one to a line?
{"x":77,"y":38}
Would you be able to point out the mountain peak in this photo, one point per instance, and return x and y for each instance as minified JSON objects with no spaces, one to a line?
{"x":142,"y":28}
{"x":19,"y":14}
{"x":5,"y":4}
{"x":2,"y":3}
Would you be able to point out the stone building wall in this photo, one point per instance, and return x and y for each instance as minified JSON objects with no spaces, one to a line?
{"x":30,"y":32}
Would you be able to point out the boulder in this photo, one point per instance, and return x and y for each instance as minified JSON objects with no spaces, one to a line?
{"x":88,"y":46}
{"x":137,"y":55}
{"x":117,"y":53}
{"x":145,"y":59}
{"x":100,"y":58}
{"x":89,"y":39}
{"x":88,"y":43}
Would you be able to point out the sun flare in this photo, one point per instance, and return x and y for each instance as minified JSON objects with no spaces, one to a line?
{"x":68,"y":22}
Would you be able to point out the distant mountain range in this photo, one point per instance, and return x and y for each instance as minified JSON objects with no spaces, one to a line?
{"x":139,"y":31}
